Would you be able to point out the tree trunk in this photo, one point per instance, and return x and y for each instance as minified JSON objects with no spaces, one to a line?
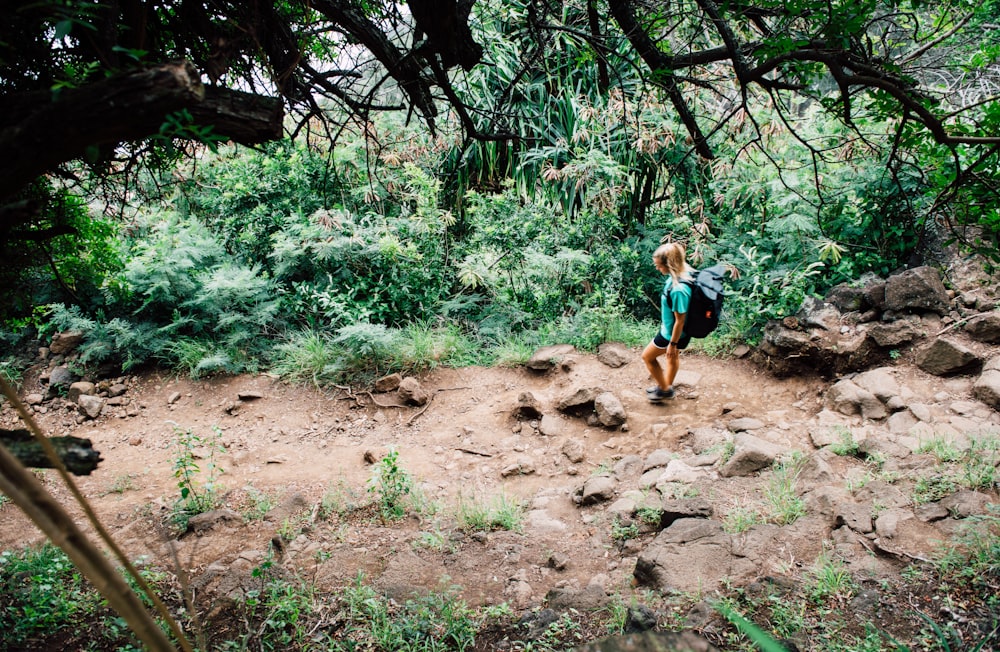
{"x":77,"y":454}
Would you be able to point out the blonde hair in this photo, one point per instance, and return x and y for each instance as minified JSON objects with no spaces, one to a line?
{"x":673,"y":256}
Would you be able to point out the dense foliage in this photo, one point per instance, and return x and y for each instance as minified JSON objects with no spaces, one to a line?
{"x":803,"y":144}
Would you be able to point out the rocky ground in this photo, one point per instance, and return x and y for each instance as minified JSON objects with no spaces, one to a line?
{"x":743,"y":476}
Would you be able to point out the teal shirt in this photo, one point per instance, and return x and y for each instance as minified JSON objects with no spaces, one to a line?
{"x":680,"y":298}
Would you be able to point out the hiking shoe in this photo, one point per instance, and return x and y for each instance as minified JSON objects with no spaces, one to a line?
{"x":655,"y":394}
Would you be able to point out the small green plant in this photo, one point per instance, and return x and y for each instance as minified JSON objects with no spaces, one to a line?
{"x":122,"y":482}
{"x":259,"y":503}
{"x":649,"y":515}
{"x":436,"y":541}
{"x":786,"y":506}
{"x":501,"y":513}
{"x":741,"y":518}
{"x":339,"y":500}
{"x":845,"y":445}
{"x":830,"y":579}
{"x":392,"y":486}
{"x":623,"y":530}
{"x":198,"y":493}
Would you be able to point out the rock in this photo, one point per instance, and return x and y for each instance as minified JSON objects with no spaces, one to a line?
{"x":894,"y":334}
{"x":590,"y":598}
{"x":745,"y":423}
{"x":987,"y":387}
{"x":674,"y":509}
{"x":648,"y":641}
{"x":65,"y":342}
{"x":412,"y":393}
{"x":597,"y":489}
{"x":848,"y":398}
{"x":945,"y":357}
{"x":34,"y":399}
{"x":528,"y":407}
{"x":547,"y":357}
{"x":610,"y":411}
{"x":559,"y":561}
{"x":249,"y":395}
{"x":692,"y":555}
{"x":880,"y":382}
{"x":388,"y":383}
{"x":173,"y":398}
{"x":581,"y":401}
{"x":751,"y":454}
{"x":61,"y":376}
{"x":520,"y":467}
{"x":846,"y":298}
{"x":917,"y":289}
{"x":79,"y":388}
{"x":964,"y":504}
{"x":117,"y":389}
{"x":574,"y":450}
{"x":678,"y":471}
{"x":201,"y":523}
{"x":817,"y":314}
{"x":90,"y":406}
{"x":985,"y":328}
{"x":550,"y":425}
{"x":614,"y":354}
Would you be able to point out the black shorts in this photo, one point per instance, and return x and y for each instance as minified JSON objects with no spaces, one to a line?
{"x":661,"y":342}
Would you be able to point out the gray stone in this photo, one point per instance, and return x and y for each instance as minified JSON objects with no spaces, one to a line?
{"x":90,"y":406}
{"x":574,"y":450}
{"x":550,"y":425}
{"x":78,"y":389}
{"x":917,"y":289}
{"x":658,"y":458}
{"x":985,"y":328}
{"x":610,"y":411}
{"x":746,"y":423}
{"x":598,"y":489}
{"x":987,"y":388}
{"x":581,"y":400}
{"x":848,"y":398}
{"x":881,"y":382}
{"x":751,"y":454}
{"x":61,"y":376}
{"x":964,"y":504}
{"x":614,"y":354}
{"x":945,"y":357}
{"x":692,"y":555}
{"x":894,"y":334}
{"x":547,"y":357}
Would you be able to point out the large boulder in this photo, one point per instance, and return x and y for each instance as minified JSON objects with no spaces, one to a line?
{"x":916,"y":290}
{"x":987,"y":388}
{"x":692,"y":555}
{"x":985,"y":328}
{"x":946,"y":357}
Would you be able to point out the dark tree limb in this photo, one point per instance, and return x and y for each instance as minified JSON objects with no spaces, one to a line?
{"x":662,"y":68}
{"x":77,"y":454}
{"x":44,"y":128}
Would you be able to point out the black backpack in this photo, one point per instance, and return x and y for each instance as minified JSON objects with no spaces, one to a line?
{"x":706,"y":301}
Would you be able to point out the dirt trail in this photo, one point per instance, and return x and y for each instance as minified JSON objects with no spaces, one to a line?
{"x":301,"y":441}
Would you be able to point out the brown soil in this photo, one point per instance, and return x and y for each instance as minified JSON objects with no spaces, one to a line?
{"x":299,"y":442}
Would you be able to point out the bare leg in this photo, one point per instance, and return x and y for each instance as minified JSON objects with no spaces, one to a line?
{"x":649,"y":356}
{"x":673,"y":362}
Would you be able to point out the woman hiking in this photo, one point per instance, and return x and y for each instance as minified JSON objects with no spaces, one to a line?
{"x":669,"y":259}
